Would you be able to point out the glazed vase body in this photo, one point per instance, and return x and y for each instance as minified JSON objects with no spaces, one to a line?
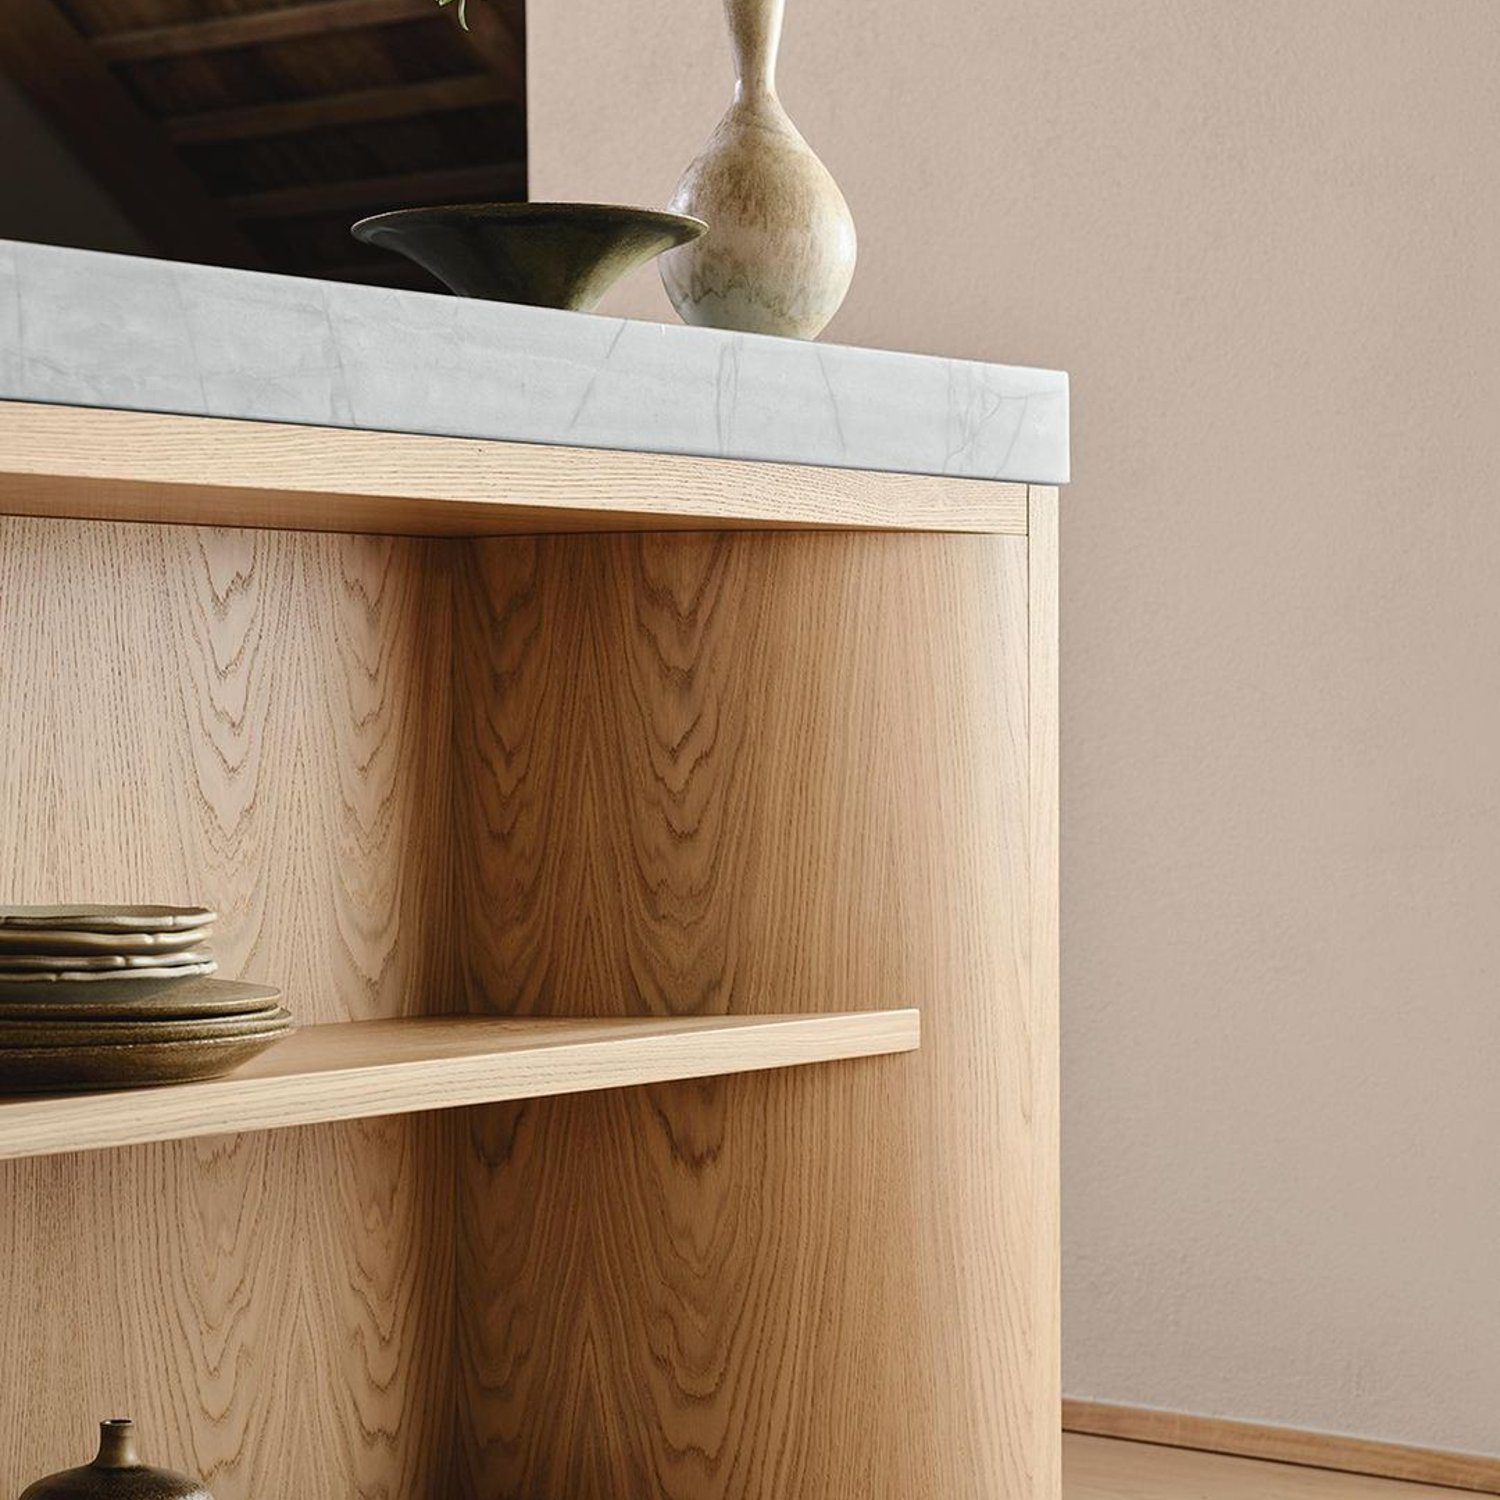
{"x":779,"y":253}
{"x":117,"y":1473}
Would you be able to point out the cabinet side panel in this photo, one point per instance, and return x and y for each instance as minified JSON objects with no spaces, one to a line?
{"x":257,"y":721}
{"x":716,"y":773}
{"x":1043,"y":733}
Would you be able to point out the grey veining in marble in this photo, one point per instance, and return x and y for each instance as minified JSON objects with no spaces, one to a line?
{"x":80,"y":327}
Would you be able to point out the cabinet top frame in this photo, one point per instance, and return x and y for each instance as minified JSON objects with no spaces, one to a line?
{"x":106,"y":465}
{"x":84,"y":328}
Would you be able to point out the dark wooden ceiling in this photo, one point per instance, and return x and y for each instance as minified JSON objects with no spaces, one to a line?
{"x":253,"y":132}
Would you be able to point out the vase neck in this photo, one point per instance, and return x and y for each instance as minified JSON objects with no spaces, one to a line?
{"x":117,"y":1445}
{"x":755,"y":36}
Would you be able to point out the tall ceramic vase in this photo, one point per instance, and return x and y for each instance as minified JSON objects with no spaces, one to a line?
{"x":779,"y":253}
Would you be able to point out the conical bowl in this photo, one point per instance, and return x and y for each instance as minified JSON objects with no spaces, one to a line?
{"x":542,"y":254}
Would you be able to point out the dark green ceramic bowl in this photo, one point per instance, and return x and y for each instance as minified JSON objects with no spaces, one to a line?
{"x":542,"y":254}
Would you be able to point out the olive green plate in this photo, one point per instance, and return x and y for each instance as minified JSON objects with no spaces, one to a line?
{"x":133,"y":998}
{"x":118,"y":964}
{"x":63,"y":942}
{"x":122,"y":1065}
{"x":108,"y":918}
{"x":114,"y":1032}
{"x":9,"y":978}
{"x":544,"y":254}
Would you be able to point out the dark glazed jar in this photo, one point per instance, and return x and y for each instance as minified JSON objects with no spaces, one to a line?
{"x":116,"y":1474}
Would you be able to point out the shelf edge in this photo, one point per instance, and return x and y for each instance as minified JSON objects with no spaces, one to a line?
{"x":673,"y":1051}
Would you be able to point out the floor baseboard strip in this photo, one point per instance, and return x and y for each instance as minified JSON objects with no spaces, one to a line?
{"x":1291,"y":1445}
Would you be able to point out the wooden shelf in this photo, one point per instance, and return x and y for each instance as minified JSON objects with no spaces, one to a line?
{"x":92,"y":463}
{"x":364,"y":1068}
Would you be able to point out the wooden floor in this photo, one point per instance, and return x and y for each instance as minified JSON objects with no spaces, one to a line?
{"x":1108,"y":1469}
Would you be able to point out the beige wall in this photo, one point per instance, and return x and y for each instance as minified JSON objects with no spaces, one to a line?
{"x":1265,"y":240}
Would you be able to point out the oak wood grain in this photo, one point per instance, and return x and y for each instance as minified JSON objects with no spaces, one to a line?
{"x":710,"y":774}
{"x":359,"y":1069}
{"x":679,"y":777}
{"x":146,"y":466}
{"x":1254,"y":1440}
{"x":258,"y":722}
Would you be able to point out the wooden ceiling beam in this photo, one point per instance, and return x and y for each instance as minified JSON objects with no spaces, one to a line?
{"x":122,"y":149}
{"x":495,"y":181}
{"x":253,"y":28}
{"x":286,"y":117}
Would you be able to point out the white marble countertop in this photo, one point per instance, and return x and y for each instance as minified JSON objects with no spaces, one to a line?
{"x":82,"y":328}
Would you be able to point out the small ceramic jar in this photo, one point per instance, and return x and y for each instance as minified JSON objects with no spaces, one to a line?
{"x":116,"y":1474}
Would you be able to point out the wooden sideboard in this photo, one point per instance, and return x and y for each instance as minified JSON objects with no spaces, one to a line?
{"x":712,"y":778}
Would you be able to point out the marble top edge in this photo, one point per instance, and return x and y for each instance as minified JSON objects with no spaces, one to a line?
{"x":88,"y":328}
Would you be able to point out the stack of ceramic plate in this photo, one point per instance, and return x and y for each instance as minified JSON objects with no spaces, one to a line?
{"x":115,"y":996}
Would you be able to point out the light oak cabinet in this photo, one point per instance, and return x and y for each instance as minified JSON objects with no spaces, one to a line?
{"x":617,"y":744}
